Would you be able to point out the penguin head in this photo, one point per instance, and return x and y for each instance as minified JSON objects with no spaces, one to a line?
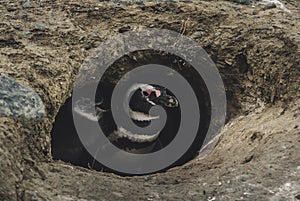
{"x":158,"y":95}
{"x":148,"y":95}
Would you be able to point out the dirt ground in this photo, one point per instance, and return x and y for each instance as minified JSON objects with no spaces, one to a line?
{"x":43,"y":44}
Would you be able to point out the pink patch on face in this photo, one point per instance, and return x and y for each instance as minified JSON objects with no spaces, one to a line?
{"x":149,"y":91}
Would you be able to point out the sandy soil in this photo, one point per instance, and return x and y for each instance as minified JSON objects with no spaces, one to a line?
{"x":43,"y":44}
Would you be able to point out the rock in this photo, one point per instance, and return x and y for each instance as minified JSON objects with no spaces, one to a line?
{"x":242,"y":1}
{"x":296,"y":114}
{"x":237,"y":7}
{"x":24,"y":16}
{"x":171,"y":1}
{"x":140,"y":3}
{"x":40,"y":26}
{"x":12,"y":9}
{"x":197,"y":35}
{"x":270,"y":5}
{"x":120,"y":195}
{"x":107,"y":17}
{"x":27,"y":4}
{"x":33,"y":196}
{"x":27,"y":32}
{"x":19,"y":101}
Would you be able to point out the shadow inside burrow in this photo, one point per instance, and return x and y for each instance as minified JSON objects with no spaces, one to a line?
{"x":66,"y":145}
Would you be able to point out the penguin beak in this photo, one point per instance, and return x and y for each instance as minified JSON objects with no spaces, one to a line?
{"x":171,"y":101}
{"x":166,"y":100}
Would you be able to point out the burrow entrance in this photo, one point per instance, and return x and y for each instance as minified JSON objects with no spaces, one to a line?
{"x":67,"y":146}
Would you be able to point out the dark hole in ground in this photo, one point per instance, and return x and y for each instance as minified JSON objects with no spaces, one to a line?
{"x":66,"y":145}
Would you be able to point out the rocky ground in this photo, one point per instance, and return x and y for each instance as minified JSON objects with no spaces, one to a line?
{"x":256,"y":49}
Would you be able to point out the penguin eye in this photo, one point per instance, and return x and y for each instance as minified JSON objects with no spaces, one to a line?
{"x":145,"y":93}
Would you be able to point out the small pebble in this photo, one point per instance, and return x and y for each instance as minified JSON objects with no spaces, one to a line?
{"x":24,"y":16}
{"x":95,"y":35}
{"x":120,"y":195}
{"x":40,"y":25}
{"x":296,"y":114}
{"x":197,"y":35}
{"x":237,"y":7}
{"x":27,"y":4}
{"x":27,"y":32}
{"x":11,"y":9}
{"x":107,"y":17}
{"x":33,"y":196}
{"x":172,"y":1}
{"x":141,"y":3}
{"x":270,"y":5}
{"x":242,"y":1}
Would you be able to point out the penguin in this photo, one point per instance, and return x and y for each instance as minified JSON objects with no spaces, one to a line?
{"x":66,"y":145}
